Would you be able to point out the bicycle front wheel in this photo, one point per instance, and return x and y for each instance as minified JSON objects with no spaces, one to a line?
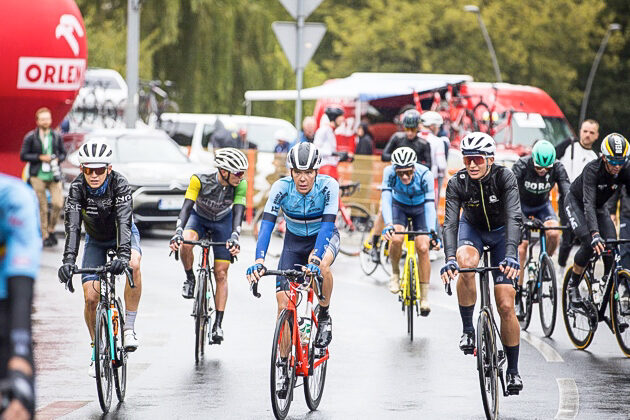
{"x":283,"y":359}
{"x":120,"y":372}
{"x":411,"y":298}
{"x":620,"y":311}
{"x":314,"y":383}
{"x":576,"y":320}
{"x":527,"y":302}
{"x":353,"y":227}
{"x":367,"y":264}
{"x":384,"y":257}
{"x":547,"y":295}
{"x":487,"y":365}
{"x":103,"y":359}
{"x":201,"y":315}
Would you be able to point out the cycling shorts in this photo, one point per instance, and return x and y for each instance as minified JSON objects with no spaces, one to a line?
{"x":295,"y":252}
{"x":401,"y":213}
{"x":95,"y":252}
{"x":468,"y":234}
{"x":543,"y":212}
{"x":219,"y":231}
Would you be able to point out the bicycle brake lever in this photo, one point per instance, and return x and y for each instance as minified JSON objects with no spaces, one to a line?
{"x":447,"y":288}
{"x":69,"y":286}
{"x":254,"y":288}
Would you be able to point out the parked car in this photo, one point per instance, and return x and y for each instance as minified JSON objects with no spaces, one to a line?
{"x":157,"y":171}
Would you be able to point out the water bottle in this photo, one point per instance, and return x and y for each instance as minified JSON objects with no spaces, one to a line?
{"x":305,"y":329}
{"x":597,"y":295}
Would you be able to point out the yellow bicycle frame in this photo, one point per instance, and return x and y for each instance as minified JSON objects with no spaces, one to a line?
{"x":405,"y":287}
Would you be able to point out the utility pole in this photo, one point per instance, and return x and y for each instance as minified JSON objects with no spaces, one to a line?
{"x":133,"y":41}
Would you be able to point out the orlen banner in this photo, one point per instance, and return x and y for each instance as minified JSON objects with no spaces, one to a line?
{"x":43,"y":50}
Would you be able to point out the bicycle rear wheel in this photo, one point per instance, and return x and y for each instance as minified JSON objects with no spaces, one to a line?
{"x":283,"y":359}
{"x":620,"y":311}
{"x":411,"y":303}
{"x":314,"y":383}
{"x":384,"y":257}
{"x":576,"y":320}
{"x":201,"y":315}
{"x":487,"y":365}
{"x":547,"y":295}
{"x":120,"y":372}
{"x":353,"y":234}
{"x":367,"y":265}
{"x":527,"y":302}
{"x":103,"y":359}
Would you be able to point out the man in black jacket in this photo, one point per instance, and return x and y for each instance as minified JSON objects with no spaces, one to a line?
{"x":409,"y":138}
{"x":43,"y":149}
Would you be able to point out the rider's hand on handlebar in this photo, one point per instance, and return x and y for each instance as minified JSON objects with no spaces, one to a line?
{"x":118,"y":266}
{"x":255,"y":272}
{"x":388,"y":232}
{"x":65,"y":275}
{"x":510,"y":267}
{"x":597,"y":243}
{"x":449,"y":271}
{"x":176,"y":240}
{"x":313,"y":268}
{"x":233,"y":244}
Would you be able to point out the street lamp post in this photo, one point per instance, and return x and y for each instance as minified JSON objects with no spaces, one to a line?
{"x":591,"y":76}
{"x":474,"y":9}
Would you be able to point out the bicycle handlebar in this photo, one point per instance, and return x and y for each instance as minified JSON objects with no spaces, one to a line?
{"x":434,"y":235}
{"x":100,"y":270}
{"x":290,"y":274}
{"x":204,"y":243}
{"x":544,"y":228}
{"x":480,"y":270}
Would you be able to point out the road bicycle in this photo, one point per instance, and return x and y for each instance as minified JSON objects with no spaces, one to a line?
{"x":409,"y":294}
{"x":94,"y":109}
{"x":204,"y":297}
{"x":293,"y":353}
{"x":489,"y":351}
{"x":154,"y":101}
{"x":110,"y":356}
{"x":353,"y":222}
{"x":611,"y":291}
{"x":539,"y":283}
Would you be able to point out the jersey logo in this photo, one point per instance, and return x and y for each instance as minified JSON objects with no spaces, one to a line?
{"x":537,"y":186}
{"x":493,"y":199}
{"x":123,"y":198}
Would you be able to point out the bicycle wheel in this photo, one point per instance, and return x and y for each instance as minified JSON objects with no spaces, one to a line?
{"x":620,"y":311}
{"x":384,"y":257}
{"x":411,"y":299}
{"x":487,"y":365}
{"x":527,"y":302}
{"x":103,"y":359}
{"x":547,"y":295}
{"x":283,"y":367}
{"x":482,"y":118}
{"x":120,"y":372}
{"x":576,"y":320}
{"x":367,"y":265}
{"x":353,"y":232}
{"x":314,"y":383}
{"x":201,"y":318}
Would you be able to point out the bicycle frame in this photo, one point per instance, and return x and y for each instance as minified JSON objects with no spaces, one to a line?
{"x":410,"y":246}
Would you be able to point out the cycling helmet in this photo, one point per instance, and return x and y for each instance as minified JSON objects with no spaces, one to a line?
{"x":95,"y":153}
{"x":231,"y":159}
{"x":404,"y":157}
{"x":615,"y":148}
{"x":304,"y":156}
{"x":430,"y":118}
{"x":544,"y":154}
{"x":478,"y":144}
{"x":411,"y":119}
{"x":333,"y":112}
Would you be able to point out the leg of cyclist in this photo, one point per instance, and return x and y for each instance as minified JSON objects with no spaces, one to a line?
{"x":324,"y":329}
{"x":467,"y":257}
{"x":187,"y":257}
{"x":395,"y":251}
{"x":577,"y":221}
{"x":522,"y":254}
{"x":379,"y":225}
{"x":553,"y":237}
{"x":221,"y":231}
{"x":132,"y":296}
{"x":422,"y":249}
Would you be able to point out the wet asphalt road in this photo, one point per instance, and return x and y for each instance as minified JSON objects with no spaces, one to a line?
{"x":374,"y":371}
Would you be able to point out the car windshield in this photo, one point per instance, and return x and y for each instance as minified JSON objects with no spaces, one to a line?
{"x":527,"y":128}
{"x":147,"y":149}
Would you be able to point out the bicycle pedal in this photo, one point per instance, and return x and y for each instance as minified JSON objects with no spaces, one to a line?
{"x":623,"y":327}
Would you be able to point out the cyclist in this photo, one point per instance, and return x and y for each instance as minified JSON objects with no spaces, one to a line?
{"x":488,"y":195}
{"x":407,"y":193}
{"x":101,"y":198}
{"x":326,"y":141}
{"x":432,"y":122}
{"x":214,"y":204}
{"x":585,"y":205}
{"x":20,"y":252}
{"x":309,"y":202}
{"x":536,"y":176}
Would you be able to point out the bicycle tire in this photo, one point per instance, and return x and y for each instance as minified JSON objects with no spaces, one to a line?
{"x":411,"y":299}
{"x":120,"y":372}
{"x":527,"y":300}
{"x":367,"y":265}
{"x":384,"y":257}
{"x":102,"y":359}
{"x":279,"y":338}
{"x":487,"y":365}
{"x":547,"y":295}
{"x":580,"y":337}
{"x":352,"y":237}
{"x":478,"y":121}
{"x":201,"y":319}
{"x":620,"y":311}
{"x":314,"y":383}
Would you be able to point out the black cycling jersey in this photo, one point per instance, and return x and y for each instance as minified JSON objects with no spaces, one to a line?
{"x":488,"y":204}
{"x":106,"y":217}
{"x":594,"y":187}
{"x":418,"y":144}
{"x":533,"y":188}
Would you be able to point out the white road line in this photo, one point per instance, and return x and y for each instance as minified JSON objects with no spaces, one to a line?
{"x":569,"y":399}
{"x":549,"y":353}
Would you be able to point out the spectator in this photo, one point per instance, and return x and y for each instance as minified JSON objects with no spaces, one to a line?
{"x":308,"y":130}
{"x":326,"y":141}
{"x":224,"y":136}
{"x":43,"y":150}
{"x":365,"y":143}
{"x":283,"y":139}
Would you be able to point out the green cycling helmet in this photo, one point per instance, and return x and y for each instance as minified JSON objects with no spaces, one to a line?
{"x":544,"y":154}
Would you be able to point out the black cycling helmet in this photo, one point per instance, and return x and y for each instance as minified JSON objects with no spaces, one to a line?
{"x":411,"y":119}
{"x":615,"y":148}
{"x":333,"y":112}
{"x":304,"y":156}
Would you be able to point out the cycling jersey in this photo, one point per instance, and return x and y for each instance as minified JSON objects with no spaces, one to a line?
{"x":419,"y":145}
{"x":308,"y":214}
{"x":438,"y":145}
{"x":326,"y":142}
{"x":419,"y":192}
{"x":213,"y":201}
{"x":574,"y":156}
{"x":488,"y":204}
{"x":533,"y":188}
{"x":107,"y":214}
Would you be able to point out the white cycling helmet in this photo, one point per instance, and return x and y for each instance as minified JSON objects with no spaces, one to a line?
{"x":430,"y":118}
{"x":95,"y":153}
{"x":231,"y":159}
{"x":404,"y":157}
{"x":478,"y":143}
{"x":304,"y":156}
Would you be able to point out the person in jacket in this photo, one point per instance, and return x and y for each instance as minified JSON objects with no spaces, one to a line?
{"x":365,"y":142}
{"x":43,"y":150}
{"x":409,"y":138}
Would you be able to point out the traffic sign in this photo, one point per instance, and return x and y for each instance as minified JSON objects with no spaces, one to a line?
{"x":286,"y":32}
{"x":307,"y":7}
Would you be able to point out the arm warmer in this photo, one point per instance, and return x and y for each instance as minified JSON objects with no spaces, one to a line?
{"x":325,"y":233}
{"x":20,"y":303}
{"x":264,"y":235}
{"x":386,"y":207}
{"x":237,"y":217}
{"x":184,"y":213}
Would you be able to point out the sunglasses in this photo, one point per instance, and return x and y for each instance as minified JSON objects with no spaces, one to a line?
{"x":540,"y":168}
{"x":97,"y":171}
{"x":478,"y":159}
{"x":616,"y":162}
{"x":238,"y":174}
{"x":407,"y":173}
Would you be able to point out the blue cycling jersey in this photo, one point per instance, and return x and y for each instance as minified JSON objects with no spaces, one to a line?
{"x":20,"y":237}
{"x":418,"y":192}
{"x":308,"y":214}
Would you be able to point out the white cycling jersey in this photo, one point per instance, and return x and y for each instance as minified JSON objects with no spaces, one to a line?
{"x":581,"y":157}
{"x":326,"y":142}
{"x":438,"y":152}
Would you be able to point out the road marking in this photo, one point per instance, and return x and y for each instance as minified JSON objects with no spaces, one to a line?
{"x":549,"y":353}
{"x":569,"y":399}
{"x":59,"y":409}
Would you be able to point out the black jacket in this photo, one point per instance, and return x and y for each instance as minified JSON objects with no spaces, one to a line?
{"x":622,"y":198}
{"x":533,"y":188}
{"x":107,"y":217}
{"x":487,"y":204}
{"x":364,"y":145}
{"x":419,"y":145}
{"x":32,"y":148}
